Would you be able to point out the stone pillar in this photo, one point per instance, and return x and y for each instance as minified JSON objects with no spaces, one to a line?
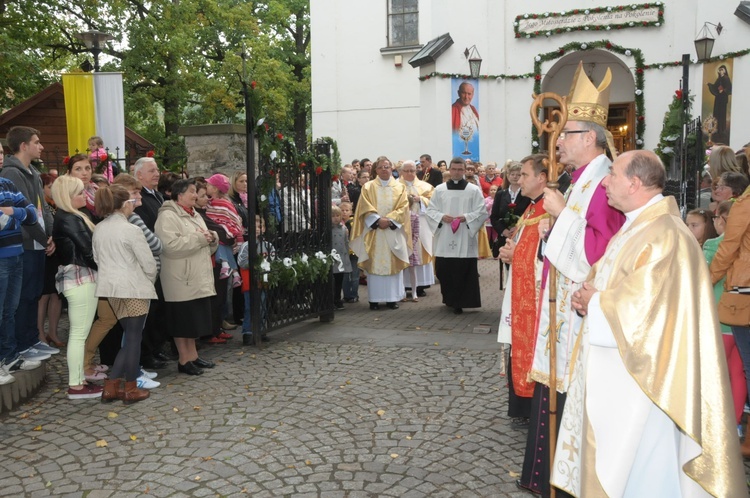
{"x":214,"y":148}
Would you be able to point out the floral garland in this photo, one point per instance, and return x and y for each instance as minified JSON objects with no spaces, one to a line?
{"x":587,"y":27}
{"x":640,"y":68}
{"x":672,"y":127}
{"x":294,"y":270}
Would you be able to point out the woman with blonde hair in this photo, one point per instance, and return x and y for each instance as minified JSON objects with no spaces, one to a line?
{"x":126,"y":277}
{"x":76,"y":276}
{"x":722,"y":160}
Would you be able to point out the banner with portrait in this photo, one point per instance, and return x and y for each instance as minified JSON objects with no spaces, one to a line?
{"x":465,"y":118}
{"x":717,"y":100}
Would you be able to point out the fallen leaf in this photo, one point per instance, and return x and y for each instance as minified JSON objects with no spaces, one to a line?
{"x":197,"y":478}
{"x":196,"y":408}
{"x":48,"y":484}
{"x":381,"y":412}
{"x":101,"y":443}
{"x":38,"y":428}
{"x":175,"y":409}
{"x":514,"y":474}
{"x":133,"y":437}
{"x":56,"y":390}
{"x":253,"y":356}
{"x":394,"y":455}
{"x":437,"y":344}
{"x":147,"y":490}
{"x":418,"y":328}
{"x":408,"y":437}
{"x":308,"y":462}
{"x":206,"y":459}
{"x":112,"y":415}
{"x":348,"y":382}
{"x":240,"y":353}
{"x":250,"y":394}
{"x":243,"y":490}
{"x":25,"y":415}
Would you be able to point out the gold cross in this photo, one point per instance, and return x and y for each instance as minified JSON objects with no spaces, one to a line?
{"x":571,"y":448}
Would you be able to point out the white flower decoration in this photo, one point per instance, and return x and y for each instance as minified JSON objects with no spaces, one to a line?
{"x":667,"y":150}
{"x":535,"y":144}
{"x":546,"y":14}
{"x":584,"y":46}
{"x":304,"y":258}
{"x":639,"y":141}
{"x":567,"y":29}
{"x":265,"y":265}
{"x":287,"y":262}
{"x":515,"y":23}
{"x":631,"y":23}
{"x":586,"y":28}
{"x":320,"y":255}
{"x":537,"y":58}
{"x":525,"y":16}
{"x":721,"y":57}
{"x":608,"y":28}
{"x":638,"y":91}
{"x":273,"y":155}
{"x":263,"y":197}
{"x":657,"y":24}
{"x":562,"y":13}
{"x":528,"y":36}
{"x":586,"y":11}
{"x":694,"y":61}
{"x":609,"y":9}
{"x":661,"y":66}
{"x":548,"y":33}
{"x":628,"y":53}
{"x":634,"y":6}
{"x":261,"y":121}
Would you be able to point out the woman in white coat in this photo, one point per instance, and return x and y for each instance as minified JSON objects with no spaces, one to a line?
{"x":187,"y":276}
{"x":127,"y":271}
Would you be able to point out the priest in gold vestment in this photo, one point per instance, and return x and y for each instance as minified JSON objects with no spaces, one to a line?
{"x":649,"y":409}
{"x":381,"y":235}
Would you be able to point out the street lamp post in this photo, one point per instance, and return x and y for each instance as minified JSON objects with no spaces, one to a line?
{"x":94,"y":41}
{"x":704,"y":42}
{"x":475,"y":61}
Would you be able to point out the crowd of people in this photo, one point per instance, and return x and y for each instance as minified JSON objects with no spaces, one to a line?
{"x":144,"y":262}
{"x":650,"y":312}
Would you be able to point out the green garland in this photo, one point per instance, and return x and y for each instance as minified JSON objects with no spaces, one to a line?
{"x":640,"y":68}
{"x":672,"y":128}
{"x":588,"y":27}
{"x":299,"y":269}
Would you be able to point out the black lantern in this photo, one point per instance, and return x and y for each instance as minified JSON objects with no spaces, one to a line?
{"x":704,"y":42}
{"x":94,"y":41}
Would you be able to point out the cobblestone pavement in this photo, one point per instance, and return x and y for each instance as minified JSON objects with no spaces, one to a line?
{"x":405,"y":403}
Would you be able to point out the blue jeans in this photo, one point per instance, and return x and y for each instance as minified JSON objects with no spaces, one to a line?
{"x":11,"y":276}
{"x":27,"y":333}
{"x":246,"y":322}
{"x":351,"y":280}
{"x":742,"y":339}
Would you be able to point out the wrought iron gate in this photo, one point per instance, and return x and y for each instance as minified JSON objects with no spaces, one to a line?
{"x":683,"y":179}
{"x":297,"y":218}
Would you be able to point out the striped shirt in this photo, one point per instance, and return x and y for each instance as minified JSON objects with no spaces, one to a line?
{"x":71,"y":276}
{"x":24,"y":213}
{"x":154,"y":243}
{"x":223,"y":212}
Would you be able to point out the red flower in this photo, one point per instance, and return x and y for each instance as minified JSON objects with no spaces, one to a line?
{"x":562,"y":51}
{"x":511,"y":205}
{"x":645,"y":6}
{"x":518,"y":35}
{"x":66,"y":160}
{"x":253,"y":84}
{"x":335,"y":178}
{"x":302,"y":165}
{"x":608,"y":45}
{"x":678,"y":94}
{"x":271,"y":172}
{"x":641,"y":118}
{"x":537,"y":77}
{"x":150,"y":153}
{"x":265,"y":125}
{"x":661,"y":12}
{"x":103,"y":156}
{"x":639,"y":71}
{"x":318,"y":170}
{"x":280,"y":136}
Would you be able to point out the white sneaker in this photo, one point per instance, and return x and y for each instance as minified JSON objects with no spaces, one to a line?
{"x":34,"y":354}
{"x":5,"y":377}
{"x":146,"y":383}
{"x":21,"y":363}
{"x":148,"y":375}
{"x":45,"y":348}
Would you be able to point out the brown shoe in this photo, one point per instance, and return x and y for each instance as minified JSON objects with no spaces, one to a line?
{"x":112,"y":390}
{"x":133,"y":394}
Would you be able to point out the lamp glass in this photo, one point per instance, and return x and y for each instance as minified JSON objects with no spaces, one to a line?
{"x":703,"y":47}
{"x":474,"y":66}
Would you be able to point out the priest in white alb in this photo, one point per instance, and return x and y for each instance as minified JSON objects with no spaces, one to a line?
{"x":381,"y":235}
{"x":456,"y":214}
{"x":649,"y":409}
{"x":419,"y":274}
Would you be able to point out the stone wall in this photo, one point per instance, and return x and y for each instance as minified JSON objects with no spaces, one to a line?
{"x":214,"y":148}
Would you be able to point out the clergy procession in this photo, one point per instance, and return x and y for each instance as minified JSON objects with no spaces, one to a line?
{"x":616,"y":366}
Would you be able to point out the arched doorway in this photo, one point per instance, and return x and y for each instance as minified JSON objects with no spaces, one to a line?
{"x":621,"y":118}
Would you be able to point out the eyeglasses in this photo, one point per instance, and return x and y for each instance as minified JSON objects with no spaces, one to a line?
{"x":565,"y":133}
{"x":132,"y":200}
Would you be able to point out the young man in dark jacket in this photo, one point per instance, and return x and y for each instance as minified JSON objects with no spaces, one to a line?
{"x":25,"y":146}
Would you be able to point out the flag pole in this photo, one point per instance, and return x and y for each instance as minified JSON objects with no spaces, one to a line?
{"x":553,"y":125}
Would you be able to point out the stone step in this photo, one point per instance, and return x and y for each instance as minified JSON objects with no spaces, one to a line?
{"x":27,"y":384}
